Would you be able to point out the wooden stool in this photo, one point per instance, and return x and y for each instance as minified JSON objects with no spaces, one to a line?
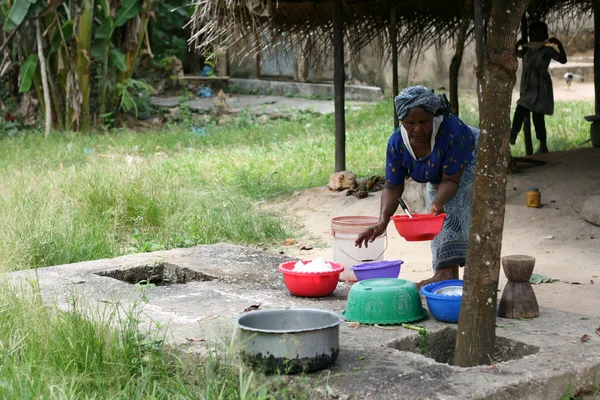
{"x":518,"y":299}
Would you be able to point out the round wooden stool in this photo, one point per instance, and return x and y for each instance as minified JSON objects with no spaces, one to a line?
{"x":518,"y":299}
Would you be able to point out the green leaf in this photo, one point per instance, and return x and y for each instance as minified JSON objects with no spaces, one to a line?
{"x":536,"y":279}
{"x":67,"y":31}
{"x":102,"y":39}
{"x":27,"y":71}
{"x":117,"y":58}
{"x":105,"y":7}
{"x":128,"y":10}
{"x":17,"y":14}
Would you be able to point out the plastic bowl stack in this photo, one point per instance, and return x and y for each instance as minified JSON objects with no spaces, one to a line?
{"x":444,"y":299}
{"x":310,"y":282}
{"x":384,"y":301}
{"x":377,"y":269}
{"x":420,"y":227}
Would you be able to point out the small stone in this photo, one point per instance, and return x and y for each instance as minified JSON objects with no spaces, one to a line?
{"x":289,"y":242}
{"x":341,"y":181}
{"x":550,"y":237}
{"x":305,"y":247}
{"x":263,"y":119}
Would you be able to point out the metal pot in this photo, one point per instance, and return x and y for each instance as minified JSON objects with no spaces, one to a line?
{"x":289,"y":341}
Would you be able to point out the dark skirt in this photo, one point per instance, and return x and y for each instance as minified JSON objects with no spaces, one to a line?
{"x":449,"y":247}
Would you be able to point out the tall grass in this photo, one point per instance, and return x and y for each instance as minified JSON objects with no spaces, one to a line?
{"x":86,"y":351}
{"x":72,"y":198}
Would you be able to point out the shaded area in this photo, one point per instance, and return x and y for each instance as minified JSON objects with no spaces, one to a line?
{"x":440,"y":346}
{"x":160,"y":274}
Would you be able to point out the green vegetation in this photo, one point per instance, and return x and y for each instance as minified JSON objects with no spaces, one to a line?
{"x":81,"y":351}
{"x":71,"y":198}
{"x":566,"y":128}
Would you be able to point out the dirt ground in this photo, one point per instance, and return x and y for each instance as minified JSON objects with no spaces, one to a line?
{"x":565,"y":246}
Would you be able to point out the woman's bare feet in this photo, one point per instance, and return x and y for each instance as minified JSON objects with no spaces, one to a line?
{"x":440,"y":275}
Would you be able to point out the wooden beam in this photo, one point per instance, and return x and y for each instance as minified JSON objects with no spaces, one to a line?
{"x":596,"y":5}
{"x":338,"y":86}
{"x":394,"y":45}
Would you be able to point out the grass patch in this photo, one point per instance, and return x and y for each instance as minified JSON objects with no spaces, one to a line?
{"x":566,"y":129}
{"x":73,"y":198}
{"x":79,"y":350}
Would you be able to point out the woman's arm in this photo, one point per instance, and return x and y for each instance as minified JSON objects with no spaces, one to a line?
{"x":389,"y":205}
{"x":562,"y":55}
{"x":446,"y":191}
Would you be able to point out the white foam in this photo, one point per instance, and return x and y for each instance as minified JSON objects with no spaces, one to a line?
{"x":317,"y":265}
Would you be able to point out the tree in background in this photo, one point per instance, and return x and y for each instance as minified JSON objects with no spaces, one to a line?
{"x":91,"y":49}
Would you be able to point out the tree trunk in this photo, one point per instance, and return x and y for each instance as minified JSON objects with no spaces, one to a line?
{"x":45,"y":88}
{"x":458,"y":55}
{"x":84,"y":53}
{"x":477,"y":323}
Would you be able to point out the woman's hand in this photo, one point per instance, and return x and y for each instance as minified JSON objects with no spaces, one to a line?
{"x":369,"y":235}
{"x":437,"y":209}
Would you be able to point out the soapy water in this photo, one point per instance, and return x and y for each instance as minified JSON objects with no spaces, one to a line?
{"x":317,"y":265}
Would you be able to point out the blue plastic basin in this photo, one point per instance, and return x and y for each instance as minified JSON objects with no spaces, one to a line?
{"x":443,"y":307}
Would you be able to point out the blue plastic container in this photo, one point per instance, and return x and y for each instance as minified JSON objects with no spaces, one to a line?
{"x":377,"y":269}
{"x":445,"y":308}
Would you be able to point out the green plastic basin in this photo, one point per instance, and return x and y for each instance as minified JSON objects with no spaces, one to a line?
{"x":384,"y":301}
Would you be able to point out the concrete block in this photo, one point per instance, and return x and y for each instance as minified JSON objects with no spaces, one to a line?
{"x":278,"y":88}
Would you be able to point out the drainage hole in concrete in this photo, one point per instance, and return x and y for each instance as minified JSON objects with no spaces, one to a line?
{"x":440,"y":346}
{"x":159,"y":274}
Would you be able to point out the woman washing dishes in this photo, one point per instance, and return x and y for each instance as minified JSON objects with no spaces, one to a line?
{"x":436,"y":148}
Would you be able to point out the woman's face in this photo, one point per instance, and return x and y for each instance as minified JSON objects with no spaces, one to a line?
{"x":419,"y":125}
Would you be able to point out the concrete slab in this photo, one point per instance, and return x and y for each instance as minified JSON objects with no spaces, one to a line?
{"x":257,"y":105}
{"x":371,"y":364}
{"x":286,"y":88}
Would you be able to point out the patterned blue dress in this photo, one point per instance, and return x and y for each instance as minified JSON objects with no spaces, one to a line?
{"x":454,"y":149}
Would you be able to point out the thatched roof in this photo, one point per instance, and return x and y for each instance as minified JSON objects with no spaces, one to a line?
{"x":221,"y":24}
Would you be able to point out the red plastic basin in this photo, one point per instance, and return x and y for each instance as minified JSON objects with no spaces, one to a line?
{"x":310,"y":284}
{"x":421,"y":227}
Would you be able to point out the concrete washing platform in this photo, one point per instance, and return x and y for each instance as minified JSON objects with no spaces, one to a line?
{"x":199,"y":292}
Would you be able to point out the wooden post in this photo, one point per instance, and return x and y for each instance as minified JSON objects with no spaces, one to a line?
{"x":394,"y":50}
{"x":338,"y":86}
{"x":258,"y":55}
{"x":476,"y":333}
{"x":527,"y":120}
{"x":596,"y":5}
{"x":458,"y":55}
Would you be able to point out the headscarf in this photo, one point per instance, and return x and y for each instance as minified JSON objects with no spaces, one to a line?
{"x":420,"y":96}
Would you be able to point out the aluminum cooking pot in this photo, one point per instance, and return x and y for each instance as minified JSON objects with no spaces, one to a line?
{"x":289,"y":341}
